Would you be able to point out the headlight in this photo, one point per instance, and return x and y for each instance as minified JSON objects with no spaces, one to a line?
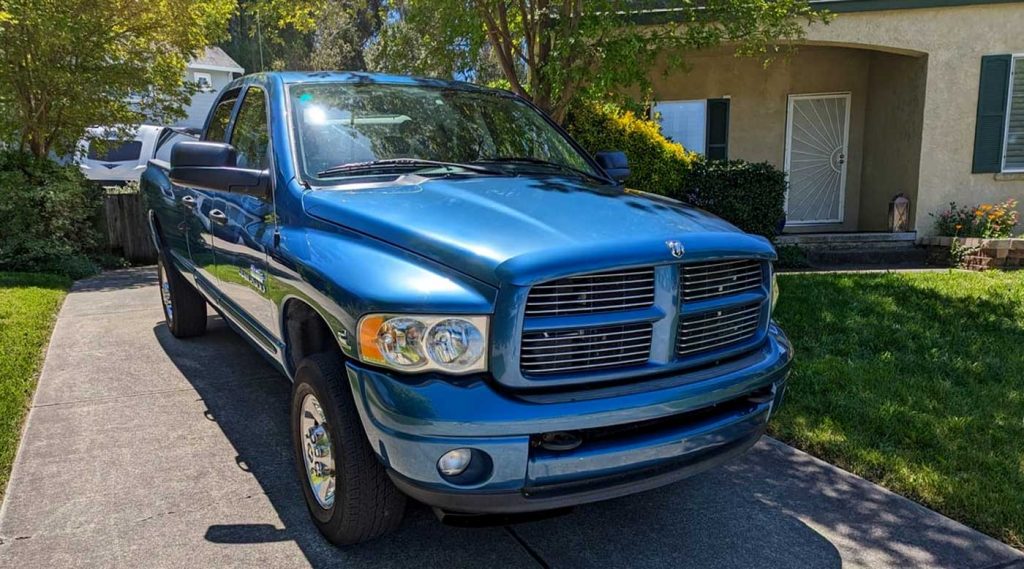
{"x":416,"y":343}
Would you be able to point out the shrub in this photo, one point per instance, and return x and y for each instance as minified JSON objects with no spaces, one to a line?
{"x":989,"y":221}
{"x":50,"y":216}
{"x":750,"y":196}
{"x":657,"y":164}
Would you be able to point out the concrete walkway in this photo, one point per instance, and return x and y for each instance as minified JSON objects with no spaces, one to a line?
{"x":146,"y":451}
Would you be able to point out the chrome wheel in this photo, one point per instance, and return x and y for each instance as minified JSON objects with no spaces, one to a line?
{"x":318,"y":455}
{"x":165,"y":294}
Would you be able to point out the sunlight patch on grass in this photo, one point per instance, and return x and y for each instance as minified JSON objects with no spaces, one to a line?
{"x":913,"y":380}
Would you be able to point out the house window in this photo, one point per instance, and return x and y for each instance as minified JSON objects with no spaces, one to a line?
{"x":203,"y":81}
{"x":1013,"y":140}
{"x":999,"y":126}
{"x":700,"y":125}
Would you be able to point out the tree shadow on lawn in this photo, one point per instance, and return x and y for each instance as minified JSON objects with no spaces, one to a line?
{"x":915,"y":381}
{"x":709,"y":521}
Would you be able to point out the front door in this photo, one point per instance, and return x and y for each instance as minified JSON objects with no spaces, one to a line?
{"x":817,"y":132}
{"x":243,"y":227}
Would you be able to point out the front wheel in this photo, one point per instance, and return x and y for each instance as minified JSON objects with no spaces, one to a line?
{"x":346,"y":488}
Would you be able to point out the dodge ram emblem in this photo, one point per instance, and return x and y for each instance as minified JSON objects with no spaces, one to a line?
{"x":676,"y":248}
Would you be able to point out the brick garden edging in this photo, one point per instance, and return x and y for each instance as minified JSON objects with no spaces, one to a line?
{"x":992,"y":253}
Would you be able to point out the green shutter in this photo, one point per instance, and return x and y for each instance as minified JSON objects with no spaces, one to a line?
{"x":991,"y":125}
{"x":717,"y":130}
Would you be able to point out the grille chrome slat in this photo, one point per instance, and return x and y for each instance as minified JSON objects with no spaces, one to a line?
{"x":712,"y":330}
{"x":694,"y":319}
{"x":646,"y":338}
{"x":719,"y":326}
{"x":551,"y":294}
{"x":641,"y":345}
{"x":714,"y":279}
{"x":565,"y":351}
{"x":624,"y":336}
{"x":629,"y":297}
{"x":609,"y":291}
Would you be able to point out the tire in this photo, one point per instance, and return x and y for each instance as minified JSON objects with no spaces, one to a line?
{"x":184,"y":306}
{"x":364,"y":504}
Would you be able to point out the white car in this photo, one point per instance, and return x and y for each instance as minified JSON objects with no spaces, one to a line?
{"x":119,"y":161}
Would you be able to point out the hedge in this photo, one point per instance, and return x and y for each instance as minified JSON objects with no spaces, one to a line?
{"x":749,"y":195}
{"x":50,"y":217}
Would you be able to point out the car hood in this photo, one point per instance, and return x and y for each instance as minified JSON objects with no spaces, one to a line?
{"x":519,"y":230}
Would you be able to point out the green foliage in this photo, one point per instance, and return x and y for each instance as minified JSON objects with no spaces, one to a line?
{"x":28,"y":304}
{"x":914,"y":381}
{"x":750,"y":196}
{"x":988,"y":221}
{"x":791,"y":257}
{"x":68,"y":65}
{"x":553,"y":52}
{"x":657,"y":165}
{"x":50,"y":217}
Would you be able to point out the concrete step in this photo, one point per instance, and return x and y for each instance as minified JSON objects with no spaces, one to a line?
{"x":849,"y":241}
{"x":869,"y":257}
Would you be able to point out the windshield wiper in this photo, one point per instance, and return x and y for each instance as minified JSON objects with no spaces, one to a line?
{"x":402,"y":163}
{"x":541,"y":162}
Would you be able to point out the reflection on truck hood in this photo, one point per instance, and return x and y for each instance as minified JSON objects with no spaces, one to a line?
{"x":519,"y":229}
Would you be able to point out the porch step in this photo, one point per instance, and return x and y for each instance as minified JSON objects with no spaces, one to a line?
{"x":849,"y":241}
{"x":845,"y":250}
{"x":868,"y":257}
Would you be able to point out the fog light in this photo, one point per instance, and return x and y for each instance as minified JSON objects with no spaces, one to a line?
{"x":454,"y":462}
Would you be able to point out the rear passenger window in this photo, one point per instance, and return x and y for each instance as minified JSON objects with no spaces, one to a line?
{"x":250,"y":134}
{"x":217,"y":131}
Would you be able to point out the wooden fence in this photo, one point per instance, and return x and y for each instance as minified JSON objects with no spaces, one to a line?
{"x":127,"y":228}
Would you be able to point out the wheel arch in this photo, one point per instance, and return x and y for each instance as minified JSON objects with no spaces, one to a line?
{"x":305,"y":331}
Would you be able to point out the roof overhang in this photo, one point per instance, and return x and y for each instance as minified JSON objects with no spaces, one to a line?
{"x":205,"y":67}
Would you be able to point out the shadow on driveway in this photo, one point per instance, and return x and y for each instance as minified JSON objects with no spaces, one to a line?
{"x":706,"y":521}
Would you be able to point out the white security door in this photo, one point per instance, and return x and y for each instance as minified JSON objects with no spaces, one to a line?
{"x":817,"y":132}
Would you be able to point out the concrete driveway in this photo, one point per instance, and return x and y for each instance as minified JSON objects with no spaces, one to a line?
{"x":145,"y":450}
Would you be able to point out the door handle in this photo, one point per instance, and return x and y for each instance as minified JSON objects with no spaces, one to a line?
{"x":217,"y":216}
{"x":188,"y":201}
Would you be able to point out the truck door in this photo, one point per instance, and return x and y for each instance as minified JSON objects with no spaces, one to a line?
{"x":200,"y":203}
{"x":243,"y":226}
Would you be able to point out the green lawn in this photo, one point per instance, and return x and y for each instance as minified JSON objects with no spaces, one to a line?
{"x":28,"y":305}
{"x":914,"y":381}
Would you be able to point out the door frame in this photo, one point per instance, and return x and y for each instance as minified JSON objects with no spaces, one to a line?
{"x":848,"y":96}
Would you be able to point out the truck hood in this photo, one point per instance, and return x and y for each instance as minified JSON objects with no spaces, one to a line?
{"x":519,"y":230}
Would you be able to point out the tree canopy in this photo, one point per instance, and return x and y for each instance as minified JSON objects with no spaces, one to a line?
{"x":549,"y":51}
{"x":68,"y":65}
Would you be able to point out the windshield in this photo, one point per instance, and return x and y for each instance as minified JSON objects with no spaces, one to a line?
{"x":344,"y":123}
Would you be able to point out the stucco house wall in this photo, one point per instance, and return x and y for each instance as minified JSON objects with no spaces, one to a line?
{"x":954,"y":39}
{"x":913,"y":79}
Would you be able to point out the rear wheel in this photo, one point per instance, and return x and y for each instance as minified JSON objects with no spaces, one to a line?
{"x":184,"y":307}
{"x":349,"y":495}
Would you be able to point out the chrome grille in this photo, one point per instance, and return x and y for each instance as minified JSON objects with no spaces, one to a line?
{"x":562,"y":351}
{"x":703,"y":281}
{"x":609,"y":291}
{"x":712,"y":330}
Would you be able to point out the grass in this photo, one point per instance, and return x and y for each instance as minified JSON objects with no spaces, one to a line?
{"x":28,"y":305}
{"x":914,"y":381}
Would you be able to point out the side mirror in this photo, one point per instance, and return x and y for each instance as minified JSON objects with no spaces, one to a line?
{"x":212,"y":166}
{"x":613,"y":162}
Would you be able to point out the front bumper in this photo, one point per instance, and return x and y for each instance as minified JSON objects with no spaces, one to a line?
{"x":634,"y":439}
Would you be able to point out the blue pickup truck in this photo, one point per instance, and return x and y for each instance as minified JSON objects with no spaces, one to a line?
{"x":474,"y":312}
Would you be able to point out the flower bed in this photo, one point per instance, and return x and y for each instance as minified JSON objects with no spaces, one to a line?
{"x":976,"y":252}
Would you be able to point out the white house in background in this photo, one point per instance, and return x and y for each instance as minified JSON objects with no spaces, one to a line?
{"x":211,"y":71}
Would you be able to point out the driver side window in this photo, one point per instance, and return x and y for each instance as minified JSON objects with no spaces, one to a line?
{"x":250,"y":134}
